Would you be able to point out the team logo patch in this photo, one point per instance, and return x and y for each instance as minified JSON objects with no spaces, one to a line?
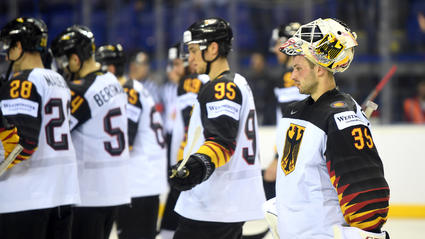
{"x":294,"y":136}
{"x":330,"y":47}
{"x":133,"y":112}
{"x":338,"y":104}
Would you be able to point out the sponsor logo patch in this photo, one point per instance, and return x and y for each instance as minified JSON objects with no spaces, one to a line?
{"x":223,"y":107}
{"x":133,"y":113}
{"x":19,"y":106}
{"x":346,"y":119}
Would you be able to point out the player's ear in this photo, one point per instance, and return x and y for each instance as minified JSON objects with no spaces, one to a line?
{"x":213,"y":49}
{"x":320,"y":71}
{"x":74,"y":58}
{"x":18,"y":46}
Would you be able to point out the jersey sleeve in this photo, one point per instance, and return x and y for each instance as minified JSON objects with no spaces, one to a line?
{"x":21,"y":106}
{"x":134,"y":111}
{"x":356,"y":171}
{"x":186,"y":114}
{"x":187,"y":90}
{"x":221,"y":102}
{"x":188,"y":87}
{"x":80,"y":110}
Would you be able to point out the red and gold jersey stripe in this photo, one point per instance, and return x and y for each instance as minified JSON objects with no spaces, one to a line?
{"x":218,"y":154}
{"x":362,"y":209}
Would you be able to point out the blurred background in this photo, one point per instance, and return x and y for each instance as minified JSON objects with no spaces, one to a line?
{"x":389,"y":33}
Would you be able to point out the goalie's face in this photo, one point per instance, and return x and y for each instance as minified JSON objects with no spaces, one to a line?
{"x":304,"y":76}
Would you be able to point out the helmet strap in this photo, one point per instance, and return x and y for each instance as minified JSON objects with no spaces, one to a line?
{"x":20,"y":56}
{"x":79,"y":69}
{"x":81,"y":66}
{"x":71,"y":74}
{"x":207,"y":71}
{"x":9,"y":70}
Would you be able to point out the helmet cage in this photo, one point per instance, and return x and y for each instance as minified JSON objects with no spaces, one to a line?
{"x":327,"y":43}
{"x":282,"y":33}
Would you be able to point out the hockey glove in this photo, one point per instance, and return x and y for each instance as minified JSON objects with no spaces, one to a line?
{"x":9,"y":139}
{"x":197,"y":169}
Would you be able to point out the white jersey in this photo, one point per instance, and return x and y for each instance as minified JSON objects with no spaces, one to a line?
{"x":286,"y":92}
{"x":169,"y":97}
{"x":329,"y":172}
{"x":187,"y":92}
{"x":37,"y":102}
{"x":99,"y":132}
{"x":225,"y":114}
{"x":148,"y":162}
{"x":177,"y":136}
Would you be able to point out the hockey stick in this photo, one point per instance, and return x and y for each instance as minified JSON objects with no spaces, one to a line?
{"x":380,"y":85}
{"x":368,"y":105}
{"x":369,"y":108}
{"x":15,"y":152}
{"x":183,"y":173}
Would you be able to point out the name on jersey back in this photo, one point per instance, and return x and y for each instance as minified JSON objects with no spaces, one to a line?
{"x":107,"y":93}
{"x":55,"y":81}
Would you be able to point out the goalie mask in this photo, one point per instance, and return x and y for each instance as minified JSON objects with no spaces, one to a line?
{"x":325,"y":42}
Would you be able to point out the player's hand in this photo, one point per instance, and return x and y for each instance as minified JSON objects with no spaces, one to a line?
{"x":197,"y":169}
